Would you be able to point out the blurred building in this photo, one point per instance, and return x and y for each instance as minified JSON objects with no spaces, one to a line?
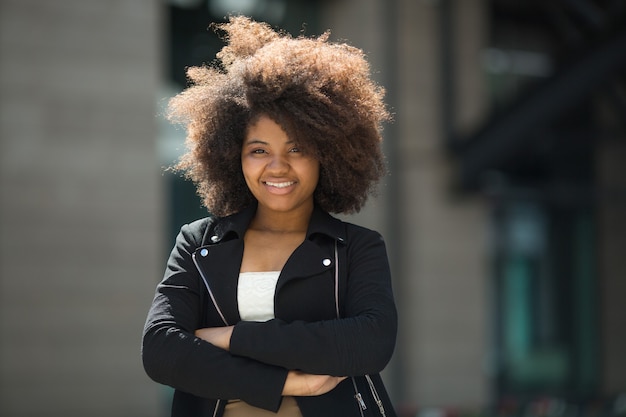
{"x":504,"y":211}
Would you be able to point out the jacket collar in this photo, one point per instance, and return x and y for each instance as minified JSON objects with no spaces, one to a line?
{"x":321,"y":223}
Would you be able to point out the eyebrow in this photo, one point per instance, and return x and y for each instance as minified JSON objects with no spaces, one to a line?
{"x":262,"y":142}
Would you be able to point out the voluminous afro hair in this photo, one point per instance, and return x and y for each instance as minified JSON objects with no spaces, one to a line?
{"x":319,"y":92}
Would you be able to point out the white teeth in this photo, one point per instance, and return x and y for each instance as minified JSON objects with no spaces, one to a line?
{"x":279,"y":184}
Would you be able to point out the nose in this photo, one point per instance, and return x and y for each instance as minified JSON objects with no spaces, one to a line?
{"x":278,"y":163}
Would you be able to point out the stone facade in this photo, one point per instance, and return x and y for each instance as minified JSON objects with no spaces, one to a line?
{"x":80,"y":205}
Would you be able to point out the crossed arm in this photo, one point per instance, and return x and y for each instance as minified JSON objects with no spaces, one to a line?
{"x":297,"y":383}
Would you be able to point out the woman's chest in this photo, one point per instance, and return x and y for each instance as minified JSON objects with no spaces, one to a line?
{"x":268,"y":250}
{"x":306,"y":288}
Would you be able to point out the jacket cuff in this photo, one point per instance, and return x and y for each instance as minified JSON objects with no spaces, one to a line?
{"x":249,"y":338}
{"x":267,"y":389}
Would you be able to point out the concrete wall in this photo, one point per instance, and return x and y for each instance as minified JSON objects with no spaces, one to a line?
{"x":80,"y":205}
{"x":444,"y":264}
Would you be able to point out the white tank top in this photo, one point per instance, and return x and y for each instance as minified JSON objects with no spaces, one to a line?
{"x":255,"y":295}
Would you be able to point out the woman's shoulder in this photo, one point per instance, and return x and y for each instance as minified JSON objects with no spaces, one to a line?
{"x":340,"y":227}
{"x":362,"y":241}
{"x":196,"y":230}
{"x":359,"y":232}
{"x":200,"y":224}
{"x":213,"y":229}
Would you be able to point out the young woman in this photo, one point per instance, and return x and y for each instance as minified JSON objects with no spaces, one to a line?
{"x":271,"y":306}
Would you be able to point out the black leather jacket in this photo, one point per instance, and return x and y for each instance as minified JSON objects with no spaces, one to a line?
{"x":340,"y":270}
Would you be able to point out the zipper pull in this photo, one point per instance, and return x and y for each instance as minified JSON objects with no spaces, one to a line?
{"x":381,"y":408}
{"x":359,"y":399}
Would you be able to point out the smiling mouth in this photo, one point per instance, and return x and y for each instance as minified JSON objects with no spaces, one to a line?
{"x":279,"y":184}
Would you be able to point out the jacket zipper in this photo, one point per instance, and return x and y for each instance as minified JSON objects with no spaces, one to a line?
{"x":377,"y":399}
{"x":357,"y":394}
{"x":219,"y":311}
{"x":217,"y":407}
{"x":336,"y":280}
{"x":206,"y":284}
{"x":359,"y":398}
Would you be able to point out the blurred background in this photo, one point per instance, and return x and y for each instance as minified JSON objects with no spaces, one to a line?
{"x":504,"y":210}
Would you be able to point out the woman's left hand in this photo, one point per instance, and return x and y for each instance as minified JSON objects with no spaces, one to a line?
{"x":217,"y":336}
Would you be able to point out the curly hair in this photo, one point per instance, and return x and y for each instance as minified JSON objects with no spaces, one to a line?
{"x":318,"y":91}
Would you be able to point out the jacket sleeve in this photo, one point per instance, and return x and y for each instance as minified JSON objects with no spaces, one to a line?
{"x":172,"y":355}
{"x":361,"y":342}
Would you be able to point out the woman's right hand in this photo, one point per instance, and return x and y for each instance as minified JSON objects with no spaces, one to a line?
{"x":301,"y":384}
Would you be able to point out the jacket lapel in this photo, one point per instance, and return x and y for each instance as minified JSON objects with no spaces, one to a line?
{"x":219,"y":267}
{"x":308,"y":260}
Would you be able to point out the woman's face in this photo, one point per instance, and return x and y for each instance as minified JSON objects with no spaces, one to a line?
{"x":279,"y":174}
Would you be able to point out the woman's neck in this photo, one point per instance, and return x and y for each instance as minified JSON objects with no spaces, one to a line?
{"x":282,"y":222}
